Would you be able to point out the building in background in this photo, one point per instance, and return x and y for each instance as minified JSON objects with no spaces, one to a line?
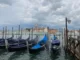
{"x":36,"y":28}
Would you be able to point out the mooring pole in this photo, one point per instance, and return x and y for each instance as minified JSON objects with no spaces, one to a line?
{"x":12,"y":33}
{"x":19,"y":35}
{"x":27,"y":41}
{"x":62,"y":38}
{"x":74,"y":34}
{"x":21,"y":32}
{"x":29,"y":33}
{"x":3,"y":33}
{"x":79,"y":43}
{"x":66,"y":34}
{"x":32,"y":33}
{"x":79,"y":34}
{"x":6,"y":42}
{"x":70,"y":38}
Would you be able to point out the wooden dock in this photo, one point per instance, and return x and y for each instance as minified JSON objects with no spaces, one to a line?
{"x":72,"y":45}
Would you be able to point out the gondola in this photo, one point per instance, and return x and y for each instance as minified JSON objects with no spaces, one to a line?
{"x":2,"y":40}
{"x":2,"y":43}
{"x":55,"y":44}
{"x":17,"y":44}
{"x":39,"y":46}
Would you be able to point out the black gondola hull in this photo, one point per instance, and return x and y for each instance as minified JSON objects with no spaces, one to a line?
{"x":36,"y":50}
{"x":17,"y":49}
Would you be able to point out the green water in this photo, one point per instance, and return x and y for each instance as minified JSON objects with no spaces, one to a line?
{"x":41,"y":55}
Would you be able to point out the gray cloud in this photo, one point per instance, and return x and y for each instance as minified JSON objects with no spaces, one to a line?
{"x":45,"y":12}
{"x":8,"y":2}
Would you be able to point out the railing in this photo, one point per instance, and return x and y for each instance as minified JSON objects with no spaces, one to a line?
{"x":73,"y":44}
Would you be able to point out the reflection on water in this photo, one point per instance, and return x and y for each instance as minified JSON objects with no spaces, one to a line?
{"x":16,"y":55}
{"x":34,"y":56}
{"x":2,"y":52}
{"x":54,"y":55}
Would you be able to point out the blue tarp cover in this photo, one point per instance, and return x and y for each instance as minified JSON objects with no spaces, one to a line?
{"x":37,"y":46}
{"x":43,"y":40}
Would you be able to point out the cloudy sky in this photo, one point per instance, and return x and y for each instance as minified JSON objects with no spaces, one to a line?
{"x":43,"y":12}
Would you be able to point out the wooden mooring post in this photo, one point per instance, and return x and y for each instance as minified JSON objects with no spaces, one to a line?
{"x":12,"y":33}
{"x":6,"y":42}
{"x":3,"y":33}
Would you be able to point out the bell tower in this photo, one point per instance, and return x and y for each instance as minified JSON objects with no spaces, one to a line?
{"x":36,"y":27}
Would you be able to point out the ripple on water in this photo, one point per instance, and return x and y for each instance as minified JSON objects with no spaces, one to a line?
{"x":5,"y":55}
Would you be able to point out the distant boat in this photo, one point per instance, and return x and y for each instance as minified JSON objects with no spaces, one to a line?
{"x":40,"y":45}
{"x":55,"y":44}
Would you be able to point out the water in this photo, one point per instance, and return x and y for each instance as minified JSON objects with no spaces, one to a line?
{"x":46,"y":54}
{"x":42,"y":55}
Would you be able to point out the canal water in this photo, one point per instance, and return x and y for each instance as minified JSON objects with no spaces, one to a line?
{"x":42,"y":55}
{"x":46,"y":54}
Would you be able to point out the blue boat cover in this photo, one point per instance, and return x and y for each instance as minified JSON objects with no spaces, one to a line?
{"x":37,"y":46}
{"x":43,"y":40}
